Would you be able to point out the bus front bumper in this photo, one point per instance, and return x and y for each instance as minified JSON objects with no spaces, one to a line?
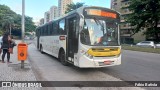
{"x":85,"y":62}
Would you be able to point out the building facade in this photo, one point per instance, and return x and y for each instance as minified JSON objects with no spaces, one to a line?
{"x":62,"y":6}
{"x":53,"y":12}
{"x":126,"y":28}
{"x":46,"y":17}
{"x":37,"y":23}
{"x":42,"y":21}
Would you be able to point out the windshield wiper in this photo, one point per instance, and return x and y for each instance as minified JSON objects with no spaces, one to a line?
{"x":99,"y":23}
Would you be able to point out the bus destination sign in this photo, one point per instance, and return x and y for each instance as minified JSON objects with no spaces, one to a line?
{"x":101,"y":13}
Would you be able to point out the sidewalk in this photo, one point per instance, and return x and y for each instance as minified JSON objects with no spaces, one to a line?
{"x":13,"y":71}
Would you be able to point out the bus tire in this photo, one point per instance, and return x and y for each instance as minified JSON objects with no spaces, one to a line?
{"x":62,"y":58}
{"x":41,"y":49}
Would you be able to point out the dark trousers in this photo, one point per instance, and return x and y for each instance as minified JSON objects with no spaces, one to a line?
{"x":4,"y":53}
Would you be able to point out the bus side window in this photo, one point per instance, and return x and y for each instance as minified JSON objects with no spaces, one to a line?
{"x":46,"y":31}
{"x":55,"y":28}
{"x":43,"y":31}
{"x":62,"y":27}
{"x":49,"y":30}
{"x":40,"y":29}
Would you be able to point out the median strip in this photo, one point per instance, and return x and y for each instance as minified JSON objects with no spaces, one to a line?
{"x":141,"y":49}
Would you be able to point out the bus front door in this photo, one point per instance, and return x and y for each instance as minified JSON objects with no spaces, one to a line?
{"x":72,"y":42}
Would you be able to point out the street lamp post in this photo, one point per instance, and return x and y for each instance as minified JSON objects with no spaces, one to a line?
{"x":23,"y":19}
{"x":23,"y":27}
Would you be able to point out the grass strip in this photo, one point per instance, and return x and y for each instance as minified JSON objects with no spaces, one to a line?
{"x":141,"y":49}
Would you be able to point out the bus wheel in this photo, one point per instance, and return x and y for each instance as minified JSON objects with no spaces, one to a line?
{"x":62,"y":58}
{"x":41,"y":49}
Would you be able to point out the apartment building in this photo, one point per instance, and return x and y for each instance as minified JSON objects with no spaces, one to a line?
{"x":62,"y":6}
{"x":46,"y":16}
{"x":125,"y":28}
{"x":53,"y":12}
{"x":42,"y":21}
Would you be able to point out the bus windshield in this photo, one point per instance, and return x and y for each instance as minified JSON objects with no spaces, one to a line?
{"x":99,"y":32}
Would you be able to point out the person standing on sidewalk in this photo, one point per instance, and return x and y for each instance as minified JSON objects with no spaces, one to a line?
{"x":5,"y":47}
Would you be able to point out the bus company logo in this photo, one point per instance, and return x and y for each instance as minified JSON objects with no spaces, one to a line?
{"x":6,"y":84}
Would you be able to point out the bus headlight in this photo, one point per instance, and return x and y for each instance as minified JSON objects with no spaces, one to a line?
{"x":86,"y":54}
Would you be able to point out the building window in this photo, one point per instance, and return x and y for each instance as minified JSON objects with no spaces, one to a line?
{"x":115,"y":3}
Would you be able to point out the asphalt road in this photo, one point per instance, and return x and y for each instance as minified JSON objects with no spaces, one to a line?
{"x":136,"y":66}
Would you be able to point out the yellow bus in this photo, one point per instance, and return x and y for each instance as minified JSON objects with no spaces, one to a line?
{"x":87,"y":38}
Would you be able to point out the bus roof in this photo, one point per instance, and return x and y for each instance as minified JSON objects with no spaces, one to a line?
{"x":78,"y":11}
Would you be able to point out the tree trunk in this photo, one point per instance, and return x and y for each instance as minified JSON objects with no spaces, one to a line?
{"x":156,"y":29}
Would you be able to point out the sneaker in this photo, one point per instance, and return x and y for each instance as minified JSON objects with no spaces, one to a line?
{"x":3,"y":61}
{"x":9,"y":62}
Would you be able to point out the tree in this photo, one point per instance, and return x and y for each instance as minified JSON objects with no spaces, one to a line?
{"x":29,"y":24}
{"x":145,"y":13}
{"x":73,"y":6}
{"x":6,"y":18}
{"x":9,"y":18}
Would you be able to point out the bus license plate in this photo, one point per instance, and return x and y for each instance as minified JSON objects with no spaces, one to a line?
{"x":107,"y":62}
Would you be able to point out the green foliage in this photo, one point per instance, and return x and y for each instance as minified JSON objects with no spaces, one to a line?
{"x":73,"y":6}
{"x":9,"y":18}
{"x":29,"y":25}
{"x":28,"y":34}
{"x":145,"y":12}
{"x":6,"y":17}
{"x":1,"y":32}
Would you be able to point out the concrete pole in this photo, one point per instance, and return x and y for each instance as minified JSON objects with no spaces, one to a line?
{"x":23,"y":19}
{"x":23,"y":27}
